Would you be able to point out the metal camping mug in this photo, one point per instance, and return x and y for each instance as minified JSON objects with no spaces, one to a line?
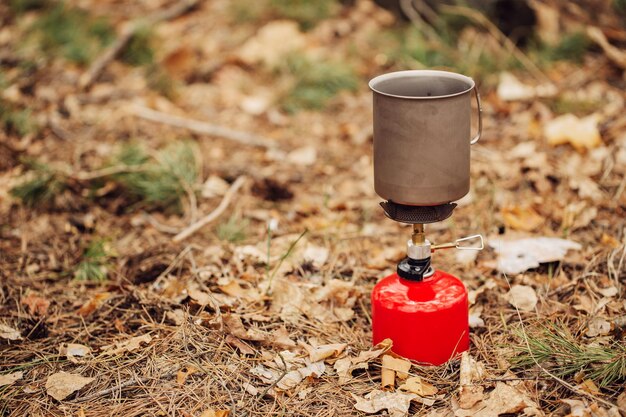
{"x":422,"y":124}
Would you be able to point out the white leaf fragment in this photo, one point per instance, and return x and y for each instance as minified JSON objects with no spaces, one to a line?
{"x":517,"y":256}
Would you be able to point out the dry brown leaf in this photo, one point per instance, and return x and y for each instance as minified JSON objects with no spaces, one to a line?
{"x":582,"y":134}
{"x":93,"y":304}
{"x":124,"y":346}
{"x":589,"y":386}
{"x":215,"y":413}
{"x":470,"y":393}
{"x":368,"y":355}
{"x":235,"y":326}
{"x":418,"y":386}
{"x":233,"y":289}
{"x":322,"y":352}
{"x":36,"y":305}
{"x":9,"y":333}
{"x":293,"y":378}
{"x":397,"y":403}
{"x":343,"y":368}
{"x":8,"y":379}
{"x":521,"y":218}
{"x":239,"y":344}
{"x":523,"y":297}
{"x":280,"y":338}
{"x":598,"y":326}
{"x":271,"y":43}
{"x":73,"y":351}
{"x":183,"y":374}
{"x":577,"y":408}
{"x":62,"y":384}
{"x":504,"y":399}
{"x":399,"y":365}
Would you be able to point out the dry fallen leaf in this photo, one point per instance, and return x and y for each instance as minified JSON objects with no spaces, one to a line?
{"x":62,"y":384}
{"x":397,"y":403}
{"x":582,"y":134}
{"x":271,"y":42}
{"x":512,"y":89}
{"x":505,"y":399}
{"x":184,"y":373}
{"x":523,"y":297}
{"x":235,"y":326}
{"x":304,"y":156}
{"x":73,"y":351}
{"x":93,"y":304}
{"x":8,"y":379}
{"x":598,"y":326}
{"x":324,"y":351}
{"x":36,"y":305}
{"x":516,"y":256}
{"x":577,"y":408}
{"x":470,"y":392}
{"x":9,"y":333}
{"x":215,"y":413}
{"x":124,"y":346}
{"x":521,"y":218}
{"x":239,"y":344}
{"x":399,"y":365}
{"x":418,"y":386}
{"x":343,"y":368}
{"x":280,"y":338}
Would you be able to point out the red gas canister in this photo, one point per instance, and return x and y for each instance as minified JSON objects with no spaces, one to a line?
{"x":426,"y":319}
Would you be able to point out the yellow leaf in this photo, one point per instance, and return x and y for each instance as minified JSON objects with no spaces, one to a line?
{"x":582,"y":134}
{"x":521,"y":218}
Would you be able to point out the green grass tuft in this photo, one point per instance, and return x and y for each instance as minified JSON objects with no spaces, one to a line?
{"x":556,"y":349}
{"x":161,"y":181}
{"x":41,"y":188}
{"x":306,"y":12}
{"x":21,"y":6}
{"x":16,"y":121}
{"x":71,"y":33}
{"x":234,"y":230}
{"x":316,"y":83}
{"x":140,"y":50}
{"x":95,"y":262}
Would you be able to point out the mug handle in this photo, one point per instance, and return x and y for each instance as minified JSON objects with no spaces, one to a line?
{"x":480,"y":117}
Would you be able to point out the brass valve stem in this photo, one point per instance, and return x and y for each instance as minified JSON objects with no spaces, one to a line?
{"x":418,"y":237}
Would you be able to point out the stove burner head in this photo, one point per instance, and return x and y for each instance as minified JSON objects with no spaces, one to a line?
{"x":417,"y":214}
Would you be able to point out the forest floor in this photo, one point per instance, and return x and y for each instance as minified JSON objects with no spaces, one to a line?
{"x":110,"y":304}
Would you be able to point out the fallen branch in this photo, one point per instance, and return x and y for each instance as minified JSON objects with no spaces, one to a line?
{"x":202,"y":127}
{"x":614,"y":54}
{"x":193,"y":228}
{"x":128,"y":31}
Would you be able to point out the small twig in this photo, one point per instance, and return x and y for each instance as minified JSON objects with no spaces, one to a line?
{"x":202,"y":127}
{"x":282,"y":259}
{"x":500,"y":37}
{"x":193,"y":228}
{"x":614,"y":54}
{"x":128,"y":31}
{"x":279,"y":378}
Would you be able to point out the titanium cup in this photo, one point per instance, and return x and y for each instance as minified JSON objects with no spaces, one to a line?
{"x":422,"y":123}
